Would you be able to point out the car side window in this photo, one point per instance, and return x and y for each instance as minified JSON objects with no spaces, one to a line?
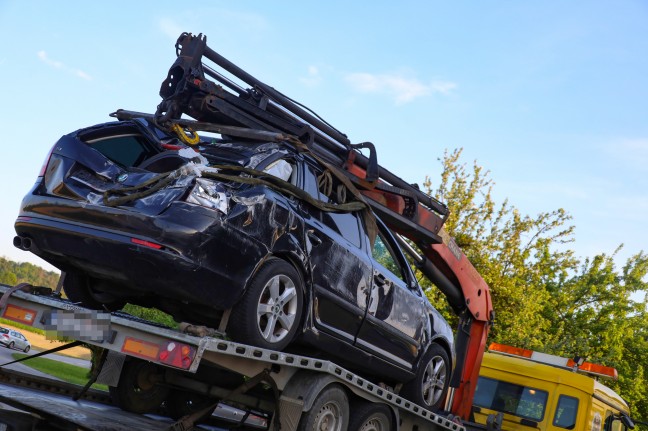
{"x":310,"y":181}
{"x":345,"y":224}
{"x":383,"y":253}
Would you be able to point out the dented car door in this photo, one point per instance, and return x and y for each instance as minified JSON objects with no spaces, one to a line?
{"x":340,"y":266}
{"x":396,"y":315}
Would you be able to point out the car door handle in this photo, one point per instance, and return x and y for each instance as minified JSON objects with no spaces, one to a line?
{"x":314,"y":239}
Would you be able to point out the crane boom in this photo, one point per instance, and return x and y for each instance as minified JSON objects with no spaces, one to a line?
{"x":402,"y":206}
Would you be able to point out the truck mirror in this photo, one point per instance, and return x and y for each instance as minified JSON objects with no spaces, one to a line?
{"x":627,"y":421}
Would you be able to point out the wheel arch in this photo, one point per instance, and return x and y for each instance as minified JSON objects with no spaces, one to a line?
{"x":441,"y":341}
{"x":307,"y":385}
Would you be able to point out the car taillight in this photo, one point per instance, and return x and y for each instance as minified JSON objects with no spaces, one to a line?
{"x":5,"y":336}
{"x":46,"y":162}
{"x":146,"y":243}
{"x":177,"y":355}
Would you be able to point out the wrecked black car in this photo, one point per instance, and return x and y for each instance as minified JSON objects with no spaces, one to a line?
{"x":255,"y":237}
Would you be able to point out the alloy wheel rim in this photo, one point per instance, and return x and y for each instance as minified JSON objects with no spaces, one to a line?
{"x":277,"y":308}
{"x":433,"y":380}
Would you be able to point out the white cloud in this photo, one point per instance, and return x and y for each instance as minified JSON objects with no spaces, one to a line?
{"x":42,"y":55}
{"x":313,"y":78}
{"x":170,"y":28}
{"x":45,"y":59}
{"x":81,"y":74}
{"x":634,"y":152}
{"x":193,"y":21}
{"x":401,"y":88}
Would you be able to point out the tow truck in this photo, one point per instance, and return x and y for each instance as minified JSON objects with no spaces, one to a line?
{"x":293,"y":390}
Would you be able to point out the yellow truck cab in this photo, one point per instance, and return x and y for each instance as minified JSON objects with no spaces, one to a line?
{"x":536,"y":391}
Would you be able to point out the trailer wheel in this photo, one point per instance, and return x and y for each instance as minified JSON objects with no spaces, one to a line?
{"x":138,"y":390}
{"x":330,"y":412}
{"x":270,"y":312}
{"x":429,"y":387}
{"x":182,"y":403}
{"x":370,"y":417}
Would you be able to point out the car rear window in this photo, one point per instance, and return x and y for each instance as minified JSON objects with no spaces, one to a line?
{"x":125,"y":150}
{"x":4,"y":330}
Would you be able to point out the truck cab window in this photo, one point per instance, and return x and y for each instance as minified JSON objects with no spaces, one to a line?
{"x":518,"y":400}
{"x":566,"y":411}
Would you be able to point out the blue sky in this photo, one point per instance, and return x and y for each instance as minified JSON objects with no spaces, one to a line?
{"x":549,"y":96}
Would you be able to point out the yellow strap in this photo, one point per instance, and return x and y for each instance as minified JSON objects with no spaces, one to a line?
{"x":185,"y":134}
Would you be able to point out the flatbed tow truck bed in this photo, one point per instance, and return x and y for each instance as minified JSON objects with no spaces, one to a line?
{"x":296,"y":383}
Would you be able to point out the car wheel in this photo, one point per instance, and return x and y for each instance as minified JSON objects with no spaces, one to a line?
{"x":11,"y":345}
{"x":330,"y":412}
{"x":26,"y":349}
{"x":370,"y":417}
{"x":138,"y":390}
{"x":78,"y":288}
{"x":429,"y":387}
{"x":269,"y":314}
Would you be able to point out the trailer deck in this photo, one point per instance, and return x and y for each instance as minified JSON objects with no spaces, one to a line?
{"x":295,"y":379}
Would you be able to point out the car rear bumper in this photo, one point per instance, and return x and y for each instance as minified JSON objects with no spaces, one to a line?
{"x":188,"y":261}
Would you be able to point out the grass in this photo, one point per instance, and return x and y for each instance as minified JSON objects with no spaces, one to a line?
{"x":66,"y":372}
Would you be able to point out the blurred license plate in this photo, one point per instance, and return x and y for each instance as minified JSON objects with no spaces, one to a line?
{"x":78,"y":325}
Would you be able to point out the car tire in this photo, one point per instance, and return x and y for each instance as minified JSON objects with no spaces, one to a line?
{"x":430,"y":385}
{"x":138,"y":390}
{"x":78,"y":289}
{"x":26,"y":349}
{"x":329,"y":412}
{"x":11,"y":345}
{"x":370,"y":417}
{"x":269,"y":314}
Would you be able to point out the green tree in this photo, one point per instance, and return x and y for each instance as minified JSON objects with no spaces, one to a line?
{"x":600,"y":313}
{"x":544,"y":298}
{"x":12,"y":273}
{"x":515,"y":254}
{"x":8,"y":278}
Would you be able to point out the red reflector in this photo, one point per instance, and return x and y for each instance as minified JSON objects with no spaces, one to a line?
{"x":177,"y":355}
{"x":146,"y":243}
